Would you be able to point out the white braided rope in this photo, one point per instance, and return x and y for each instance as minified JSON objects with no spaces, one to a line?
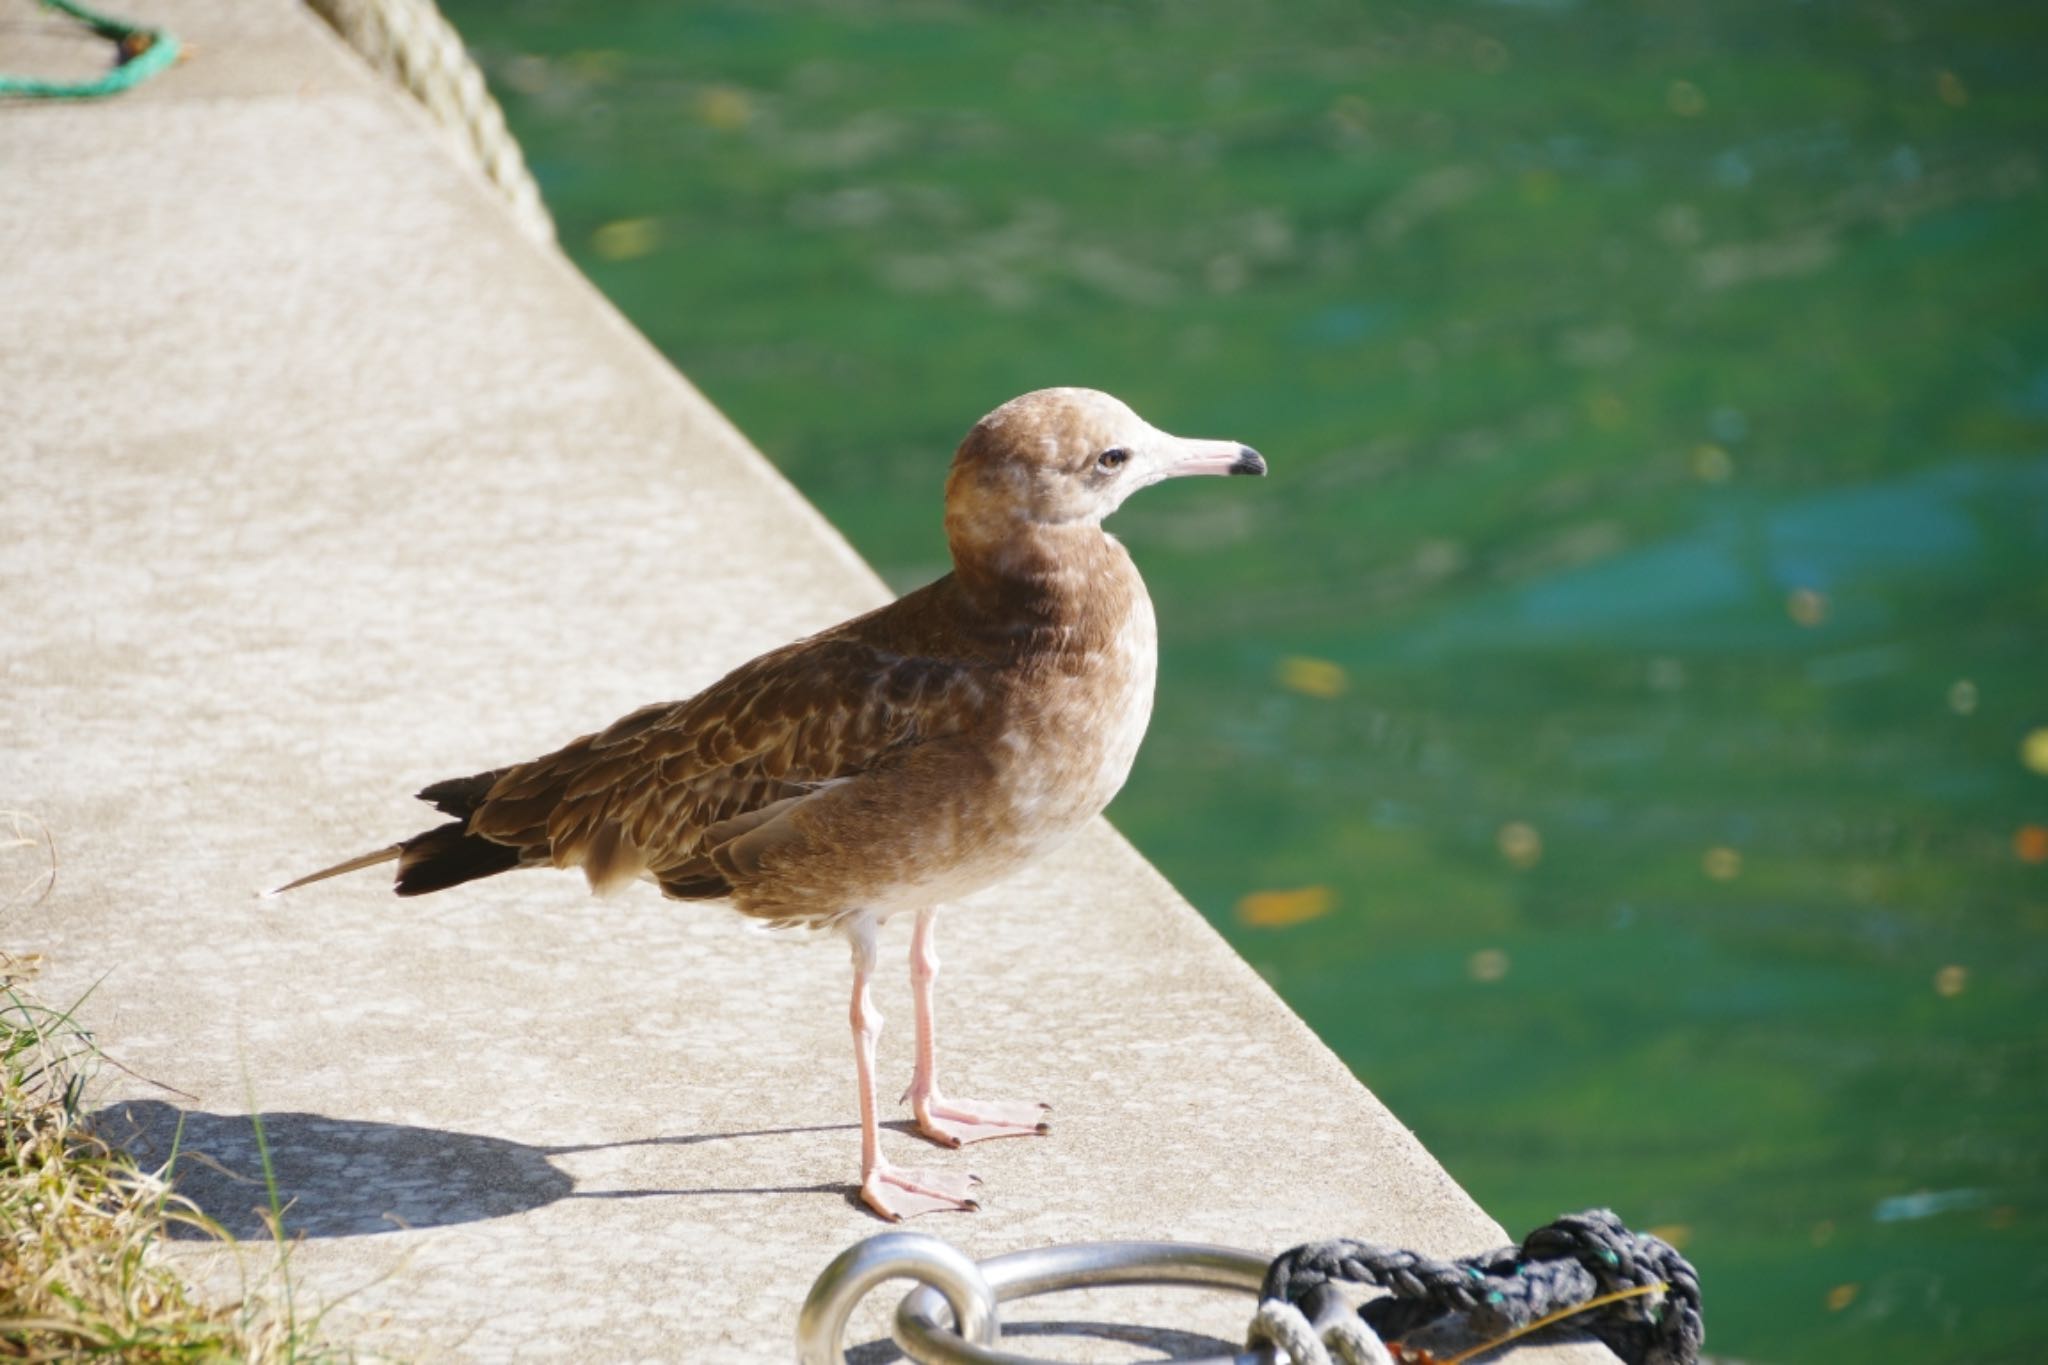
{"x":1347,"y":1341}
{"x":411,"y":43}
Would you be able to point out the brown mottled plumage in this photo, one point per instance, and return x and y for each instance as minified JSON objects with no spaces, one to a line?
{"x":908,"y":756}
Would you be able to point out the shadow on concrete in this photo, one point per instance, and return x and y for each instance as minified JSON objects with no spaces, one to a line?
{"x":346,"y":1177}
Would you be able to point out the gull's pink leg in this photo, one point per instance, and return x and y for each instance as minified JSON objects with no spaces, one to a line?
{"x":953,"y":1122}
{"x":892,"y":1192}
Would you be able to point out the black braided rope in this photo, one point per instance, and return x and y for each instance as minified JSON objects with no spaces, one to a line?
{"x":1444,"y":1306}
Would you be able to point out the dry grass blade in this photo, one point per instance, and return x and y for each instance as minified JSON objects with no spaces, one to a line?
{"x":28,"y":860}
{"x":1560,"y":1315}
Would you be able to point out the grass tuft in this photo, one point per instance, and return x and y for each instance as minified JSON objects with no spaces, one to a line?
{"x":83,"y":1272}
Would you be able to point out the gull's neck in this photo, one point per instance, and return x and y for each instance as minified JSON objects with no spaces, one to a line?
{"x":1038,"y":575}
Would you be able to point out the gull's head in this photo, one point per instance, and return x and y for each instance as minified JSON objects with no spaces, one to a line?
{"x":1060,"y":457}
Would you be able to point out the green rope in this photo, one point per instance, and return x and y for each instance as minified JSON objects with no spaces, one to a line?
{"x":143,"y":53}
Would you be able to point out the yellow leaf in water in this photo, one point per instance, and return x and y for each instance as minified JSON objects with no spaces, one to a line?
{"x":1677,"y":1234}
{"x":2034,"y":750}
{"x":627,"y":239}
{"x":1952,"y":980}
{"x":1806,"y":607}
{"x":725,"y":107}
{"x":1841,"y":1296}
{"x":1722,"y":864}
{"x":1519,"y":843}
{"x":1313,"y":677}
{"x":1711,"y":463}
{"x":1488,"y":964}
{"x":1280,"y":909}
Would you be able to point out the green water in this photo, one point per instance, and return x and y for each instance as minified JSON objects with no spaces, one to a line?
{"x":1626,"y":675}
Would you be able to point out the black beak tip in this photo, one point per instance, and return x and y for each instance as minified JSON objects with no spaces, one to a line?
{"x":1248,"y":461}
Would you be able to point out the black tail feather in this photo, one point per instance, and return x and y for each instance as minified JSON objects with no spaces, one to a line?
{"x":448,"y":856}
{"x":460,"y":796}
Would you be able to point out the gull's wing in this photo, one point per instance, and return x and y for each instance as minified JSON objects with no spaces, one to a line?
{"x":642,"y":794}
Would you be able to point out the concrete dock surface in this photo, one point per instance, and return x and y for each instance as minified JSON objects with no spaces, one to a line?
{"x":321,"y":483}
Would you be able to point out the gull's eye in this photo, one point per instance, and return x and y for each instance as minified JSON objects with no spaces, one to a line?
{"x":1113,"y":458}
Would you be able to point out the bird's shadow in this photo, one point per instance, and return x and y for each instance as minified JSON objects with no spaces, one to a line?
{"x":347,"y":1177}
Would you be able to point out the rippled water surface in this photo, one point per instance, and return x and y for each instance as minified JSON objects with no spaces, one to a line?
{"x":1620,"y":726}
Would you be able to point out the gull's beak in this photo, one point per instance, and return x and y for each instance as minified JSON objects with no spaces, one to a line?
{"x":1212,"y":457}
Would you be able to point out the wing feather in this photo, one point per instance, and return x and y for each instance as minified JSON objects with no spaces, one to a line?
{"x":644,"y":793}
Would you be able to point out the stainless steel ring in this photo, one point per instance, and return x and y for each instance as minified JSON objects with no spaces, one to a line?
{"x":926,"y":1337}
{"x":943,"y":1269}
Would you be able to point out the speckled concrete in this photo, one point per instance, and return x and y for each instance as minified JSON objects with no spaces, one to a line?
{"x":319,"y":483}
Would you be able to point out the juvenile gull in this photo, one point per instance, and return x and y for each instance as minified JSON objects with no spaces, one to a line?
{"x":904,"y":758}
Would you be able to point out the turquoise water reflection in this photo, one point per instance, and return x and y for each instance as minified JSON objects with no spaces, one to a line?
{"x":1618,"y":726}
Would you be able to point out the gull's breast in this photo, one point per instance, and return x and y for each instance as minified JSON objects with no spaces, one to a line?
{"x":1069,"y":740}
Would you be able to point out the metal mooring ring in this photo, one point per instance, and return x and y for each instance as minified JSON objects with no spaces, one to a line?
{"x":925,"y":1335}
{"x":942,"y":1267}
{"x":925,"y":1338}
